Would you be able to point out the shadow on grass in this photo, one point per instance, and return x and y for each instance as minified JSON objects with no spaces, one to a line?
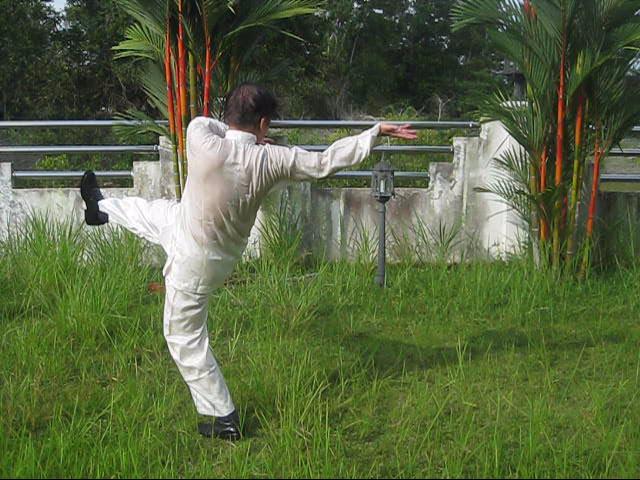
{"x":389,"y":357}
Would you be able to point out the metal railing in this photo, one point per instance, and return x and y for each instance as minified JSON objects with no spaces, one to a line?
{"x":50,"y":149}
{"x":153,"y":149}
{"x":68,"y":174}
{"x":127,"y":174}
{"x":277,"y":124}
{"x":627,"y":152}
{"x":620,"y":177}
{"x":325,"y":124}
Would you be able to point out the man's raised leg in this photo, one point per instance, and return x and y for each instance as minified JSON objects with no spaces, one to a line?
{"x":148,"y":219}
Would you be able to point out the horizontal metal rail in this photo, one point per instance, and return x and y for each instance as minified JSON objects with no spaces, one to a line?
{"x":627,"y":152}
{"x":154,"y":149}
{"x":392,"y":148}
{"x":620,"y":177}
{"x":441,"y":125}
{"x":462,"y":124}
{"x":367,"y":174}
{"x":66,"y":175}
{"x":48,"y":149}
{"x":150,"y":149}
{"x":119,"y":174}
{"x":72,"y":123}
{"x":420,"y":124}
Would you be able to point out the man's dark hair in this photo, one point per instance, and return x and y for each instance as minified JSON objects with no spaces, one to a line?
{"x":247,"y":104}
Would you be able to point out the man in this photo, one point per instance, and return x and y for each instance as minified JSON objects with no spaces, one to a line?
{"x":230,"y":173}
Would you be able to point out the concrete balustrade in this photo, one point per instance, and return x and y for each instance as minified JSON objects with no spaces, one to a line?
{"x":340,"y":223}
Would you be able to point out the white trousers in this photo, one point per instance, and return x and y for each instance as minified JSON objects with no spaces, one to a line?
{"x":185,"y":313}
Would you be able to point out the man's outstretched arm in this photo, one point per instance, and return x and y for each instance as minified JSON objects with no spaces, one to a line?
{"x":298,"y":164}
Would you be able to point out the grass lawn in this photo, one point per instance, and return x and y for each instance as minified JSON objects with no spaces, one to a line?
{"x":482,"y":370}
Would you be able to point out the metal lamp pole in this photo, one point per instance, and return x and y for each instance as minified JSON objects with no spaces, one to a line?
{"x":382,"y":190}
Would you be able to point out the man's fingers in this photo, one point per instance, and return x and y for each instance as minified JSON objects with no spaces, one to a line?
{"x":399,"y":131}
{"x":406,"y":133}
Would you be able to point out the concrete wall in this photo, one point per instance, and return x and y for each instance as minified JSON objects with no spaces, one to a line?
{"x":449,"y":218}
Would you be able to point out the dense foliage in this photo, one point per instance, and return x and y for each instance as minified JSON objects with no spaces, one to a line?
{"x":354,"y":57}
{"x":580,"y":63}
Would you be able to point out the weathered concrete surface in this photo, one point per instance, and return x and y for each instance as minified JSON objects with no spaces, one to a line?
{"x":497,"y":227}
{"x":448,"y":219}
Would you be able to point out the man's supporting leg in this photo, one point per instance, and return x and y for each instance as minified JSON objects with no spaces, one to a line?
{"x":185,"y":329}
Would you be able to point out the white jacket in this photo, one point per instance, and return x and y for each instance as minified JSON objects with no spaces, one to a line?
{"x":228,"y":177}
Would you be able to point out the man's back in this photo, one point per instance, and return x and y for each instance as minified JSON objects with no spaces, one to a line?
{"x":229,"y":176}
{"x":224,"y":185}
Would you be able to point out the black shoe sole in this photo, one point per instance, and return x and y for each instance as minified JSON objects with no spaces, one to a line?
{"x":207,"y":430}
{"x":90,"y":193}
{"x":94,"y":217}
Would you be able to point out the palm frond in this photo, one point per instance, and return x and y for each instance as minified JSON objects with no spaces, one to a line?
{"x":140,"y":124}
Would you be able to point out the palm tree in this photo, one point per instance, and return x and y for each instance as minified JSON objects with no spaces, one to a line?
{"x":578,"y":58}
{"x":191,"y":48}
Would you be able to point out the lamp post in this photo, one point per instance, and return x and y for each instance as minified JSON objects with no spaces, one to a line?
{"x":382,"y":191}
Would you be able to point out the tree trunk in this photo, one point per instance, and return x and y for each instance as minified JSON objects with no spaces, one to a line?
{"x":576,"y":183}
{"x":171,"y":110}
{"x":560,"y":138}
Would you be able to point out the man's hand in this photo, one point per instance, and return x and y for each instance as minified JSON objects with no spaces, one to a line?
{"x":398,"y":131}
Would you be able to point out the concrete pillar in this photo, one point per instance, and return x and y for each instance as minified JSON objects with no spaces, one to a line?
{"x":6,"y":197}
{"x":167,"y":188}
{"x":499,"y":228}
{"x":155,"y":179}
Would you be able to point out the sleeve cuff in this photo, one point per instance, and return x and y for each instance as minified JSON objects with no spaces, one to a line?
{"x":375,"y":130}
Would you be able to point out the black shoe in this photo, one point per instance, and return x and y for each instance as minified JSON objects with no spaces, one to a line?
{"x":226,"y":428}
{"x":91,"y":194}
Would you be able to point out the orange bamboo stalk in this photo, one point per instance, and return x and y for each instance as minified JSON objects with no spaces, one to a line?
{"x":594,"y":189}
{"x":170,"y":108}
{"x":575,"y":184}
{"x":207,"y":65}
{"x":207,"y":74}
{"x":544,"y":224}
{"x":193,"y":86}
{"x":182,"y":87}
{"x":560,"y":136}
{"x":529,"y":9}
{"x":561,"y":120}
{"x":592,"y":204}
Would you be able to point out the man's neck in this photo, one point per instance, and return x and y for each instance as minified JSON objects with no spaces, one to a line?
{"x":241,"y":129}
{"x":241,"y":136}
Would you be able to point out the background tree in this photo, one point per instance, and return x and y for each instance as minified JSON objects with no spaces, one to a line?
{"x":99,"y":86}
{"x":367,"y":57}
{"x":32,"y":71}
{"x":579,"y":59}
{"x":193,"y":53}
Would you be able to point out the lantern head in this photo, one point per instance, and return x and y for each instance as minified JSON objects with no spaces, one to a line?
{"x":382,"y":182}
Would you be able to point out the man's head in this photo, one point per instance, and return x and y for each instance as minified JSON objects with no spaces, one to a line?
{"x":250,"y":108}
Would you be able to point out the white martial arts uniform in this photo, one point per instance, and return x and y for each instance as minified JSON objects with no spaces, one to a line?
{"x":205,"y":234}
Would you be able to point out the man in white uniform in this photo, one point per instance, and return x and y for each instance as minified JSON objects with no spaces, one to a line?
{"x":230,"y":173}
